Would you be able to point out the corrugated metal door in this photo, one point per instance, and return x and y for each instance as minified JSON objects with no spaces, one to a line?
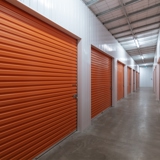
{"x":133,"y":80}
{"x":129,"y":80}
{"x":120,"y":81}
{"x":101,"y":82}
{"x":136,"y":80}
{"x":154,"y":80}
{"x":38,"y":76}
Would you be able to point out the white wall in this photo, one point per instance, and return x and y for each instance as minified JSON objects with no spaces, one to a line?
{"x":146,"y":77}
{"x":75,"y":18}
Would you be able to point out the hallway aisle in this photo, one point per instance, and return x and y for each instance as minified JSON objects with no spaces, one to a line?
{"x":129,"y":131}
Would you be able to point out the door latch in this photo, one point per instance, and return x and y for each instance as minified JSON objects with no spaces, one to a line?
{"x":75,"y":96}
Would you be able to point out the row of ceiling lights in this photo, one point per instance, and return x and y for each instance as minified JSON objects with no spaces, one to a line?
{"x":138,"y":47}
{"x":122,"y":6}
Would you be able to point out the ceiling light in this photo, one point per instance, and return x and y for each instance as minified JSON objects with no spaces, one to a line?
{"x":136,"y":42}
{"x":142,"y":57}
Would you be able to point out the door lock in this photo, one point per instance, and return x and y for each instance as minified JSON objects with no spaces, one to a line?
{"x":75,"y":96}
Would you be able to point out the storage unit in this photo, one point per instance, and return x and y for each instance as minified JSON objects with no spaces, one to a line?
{"x":38,"y":77}
{"x":129,"y":80}
{"x":137,"y":80}
{"x":134,"y":80}
{"x":101,"y":82}
{"x":156,"y":79}
{"x":120,"y":80}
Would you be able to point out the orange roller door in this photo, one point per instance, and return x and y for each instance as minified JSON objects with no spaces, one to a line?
{"x":133,"y":80}
{"x":120,"y":81}
{"x":137,"y":80}
{"x":101,"y":82}
{"x":129,"y":80}
{"x":38,"y":77}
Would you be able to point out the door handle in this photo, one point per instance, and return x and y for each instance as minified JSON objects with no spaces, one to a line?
{"x":75,"y":96}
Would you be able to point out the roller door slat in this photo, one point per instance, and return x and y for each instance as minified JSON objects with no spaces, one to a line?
{"x":21,"y":61}
{"x":11,"y":90}
{"x":36,"y":69}
{"x":29,"y":35}
{"x":21,"y":132}
{"x":14,"y":21}
{"x":33,"y":141}
{"x":40,"y":104}
{"x":10,"y":129}
{"x":39,"y":57}
{"x":38,"y":53}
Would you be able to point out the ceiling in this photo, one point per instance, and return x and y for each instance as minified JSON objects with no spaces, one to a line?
{"x":134,"y":23}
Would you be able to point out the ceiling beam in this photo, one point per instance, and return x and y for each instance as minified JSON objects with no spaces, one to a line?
{"x":129,"y":24}
{"x":157,"y":15}
{"x":115,"y":8}
{"x":143,"y":36}
{"x":138,"y":33}
{"x":136,"y":53}
{"x":147,"y":60}
{"x":131,"y":14}
{"x":90,"y":3}
{"x":150,"y":48}
{"x":136,"y":28}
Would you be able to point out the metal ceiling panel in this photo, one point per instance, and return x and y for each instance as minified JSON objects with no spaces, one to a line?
{"x":149,"y":56}
{"x":124,"y":39}
{"x":117,"y":23}
{"x":144,"y":19}
{"x":147,"y":34}
{"x":145,"y":38}
{"x":141,"y":5}
{"x":136,"y":57}
{"x":133,"y":13}
{"x":117,"y":7}
{"x":149,"y":19}
{"x":120,"y":29}
{"x":142,"y":28}
{"x":149,"y":31}
{"x":145,"y":50}
{"x":146,"y":61}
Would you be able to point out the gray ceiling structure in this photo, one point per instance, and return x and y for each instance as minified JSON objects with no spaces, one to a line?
{"x":134,"y":23}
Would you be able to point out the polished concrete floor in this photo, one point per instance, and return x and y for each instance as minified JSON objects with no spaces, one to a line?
{"x":129,"y":131}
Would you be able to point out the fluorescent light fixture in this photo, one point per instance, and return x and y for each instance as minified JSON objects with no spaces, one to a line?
{"x":136,"y":43}
{"x":142,"y":57}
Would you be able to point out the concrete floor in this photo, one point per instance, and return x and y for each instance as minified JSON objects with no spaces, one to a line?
{"x":129,"y":131}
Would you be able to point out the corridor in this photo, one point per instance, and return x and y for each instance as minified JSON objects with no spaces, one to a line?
{"x":129,"y":131}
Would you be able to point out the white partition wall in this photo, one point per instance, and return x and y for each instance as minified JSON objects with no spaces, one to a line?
{"x":146,"y":77}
